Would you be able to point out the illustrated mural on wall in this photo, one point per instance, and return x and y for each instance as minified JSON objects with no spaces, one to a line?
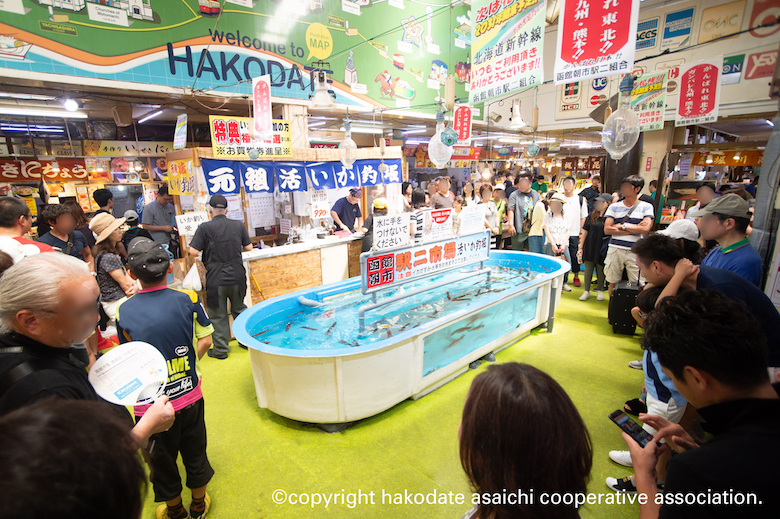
{"x":174,"y":43}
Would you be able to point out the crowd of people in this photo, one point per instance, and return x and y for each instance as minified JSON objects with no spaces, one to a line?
{"x":711,"y":341}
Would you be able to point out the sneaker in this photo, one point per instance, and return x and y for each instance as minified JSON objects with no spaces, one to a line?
{"x":242,"y":346}
{"x":627,"y":484}
{"x":621,"y":458}
{"x":214,"y":355}
{"x":636,"y":364}
{"x":566,"y":287}
{"x":163,"y":513}
{"x":201,"y":515}
{"x":584,"y":296}
{"x":621,"y":485}
{"x":599,"y":295}
{"x":577,"y":282}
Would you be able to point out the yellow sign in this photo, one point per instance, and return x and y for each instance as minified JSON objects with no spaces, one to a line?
{"x":319,"y":41}
{"x":181,"y":177}
{"x":231,"y":139}
{"x":721,"y":21}
{"x":127,"y":148}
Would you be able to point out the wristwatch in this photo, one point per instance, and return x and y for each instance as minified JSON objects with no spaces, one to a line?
{"x":623,"y":226}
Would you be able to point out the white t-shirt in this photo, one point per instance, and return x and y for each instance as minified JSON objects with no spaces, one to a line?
{"x":573,"y":215}
{"x":619,"y":210}
{"x":558,"y":228}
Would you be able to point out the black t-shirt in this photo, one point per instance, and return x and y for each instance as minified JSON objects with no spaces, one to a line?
{"x":66,"y":378}
{"x":133,"y":233}
{"x":736,"y":287}
{"x":368,"y":239}
{"x":742,"y":457}
{"x":591,"y":248}
{"x":222,"y":240}
{"x":77,"y":250}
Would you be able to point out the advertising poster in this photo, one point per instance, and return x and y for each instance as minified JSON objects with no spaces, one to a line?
{"x":180,"y":132}
{"x":232,"y":140}
{"x":722,"y":20}
{"x":732,"y":69}
{"x":174,"y":45}
{"x":507,"y":47}
{"x":595,"y":39}
{"x":699,"y":92}
{"x":648,"y":100}
{"x":677,"y":29}
{"x":647,"y":34}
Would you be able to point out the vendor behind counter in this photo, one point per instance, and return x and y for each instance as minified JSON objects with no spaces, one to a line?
{"x":346,"y":211}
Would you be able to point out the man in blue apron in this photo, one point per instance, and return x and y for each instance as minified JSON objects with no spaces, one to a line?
{"x":222,"y":240}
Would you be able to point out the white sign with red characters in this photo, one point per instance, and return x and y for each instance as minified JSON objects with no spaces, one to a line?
{"x":384,"y":269}
{"x":261,"y":97}
{"x":596,"y":38}
{"x":437,"y":224}
{"x":507,"y":38}
{"x":699,"y":95}
{"x":461,"y":123}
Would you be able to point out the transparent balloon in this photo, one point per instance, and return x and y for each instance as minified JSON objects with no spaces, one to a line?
{"x":621,"y":130}
{"x":439,"y":152}
{"x":347,"y":150}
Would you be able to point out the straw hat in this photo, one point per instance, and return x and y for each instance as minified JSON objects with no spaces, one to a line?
{"x":557,"y":197}
{"x":103,"y":224}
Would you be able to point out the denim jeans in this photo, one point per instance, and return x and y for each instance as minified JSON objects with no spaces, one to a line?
{"x":536,"y":244}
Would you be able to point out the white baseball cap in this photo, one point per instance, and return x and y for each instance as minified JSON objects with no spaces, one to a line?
{"x":685,"y":229}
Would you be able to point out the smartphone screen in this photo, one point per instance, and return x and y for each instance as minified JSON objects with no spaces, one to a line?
{"x":634,"y":430}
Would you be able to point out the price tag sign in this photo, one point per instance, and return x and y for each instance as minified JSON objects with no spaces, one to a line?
{"x":320,"y":206}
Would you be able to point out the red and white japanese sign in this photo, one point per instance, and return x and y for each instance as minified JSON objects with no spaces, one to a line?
{"x":465,"y":153}
{"x":30,"y":170}
{"x":461,"y":123}
{"x":507,"y":38}
{"x":385,"y":269}
{"x":261,"y":98}
{"x":761,"y":64}
{"x":596,"y":38}
{"x":699,"y":92}
{"x":232,"y":140}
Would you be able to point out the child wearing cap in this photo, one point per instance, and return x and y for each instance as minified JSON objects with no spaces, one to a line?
{"x":175,"y":323}
{"x":134,"y":230}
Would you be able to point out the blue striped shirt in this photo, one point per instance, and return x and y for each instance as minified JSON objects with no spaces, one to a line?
{"x":618,"y":211}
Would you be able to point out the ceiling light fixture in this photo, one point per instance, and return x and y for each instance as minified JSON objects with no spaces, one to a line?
{"x":37,"y":112}
{"x":149,"y":116}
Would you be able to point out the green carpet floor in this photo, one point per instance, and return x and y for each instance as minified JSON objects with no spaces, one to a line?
{"x":412,"y":446}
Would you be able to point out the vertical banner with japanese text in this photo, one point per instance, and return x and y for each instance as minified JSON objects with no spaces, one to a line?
{"x":507,"y":41}
{"x":181,"y":177}
{"x":699,"y":95}
{"x":648,"y":100}
{"x":222,"y":176}
{"x":596,"y":38}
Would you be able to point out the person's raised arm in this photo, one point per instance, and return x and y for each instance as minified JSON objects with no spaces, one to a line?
{"x":682,"y":270}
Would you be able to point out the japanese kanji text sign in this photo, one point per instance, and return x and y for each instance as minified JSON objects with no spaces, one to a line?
{"x":188,"y":223}
{"x":30,"y":170}
{"x":596,"y":38}
{"x":383,"y":269}
{"x":231,"y":139}
{"x":181,"y":177}
{"x":699,"y":95}
{"x":391,"y":231}
{"x":507,"y":41}
{"x":648,"y":100}
{"x":261,"y":100}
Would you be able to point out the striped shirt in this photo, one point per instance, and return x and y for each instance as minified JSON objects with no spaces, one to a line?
{"x":618,"y":211}
{"x":417,"y":218}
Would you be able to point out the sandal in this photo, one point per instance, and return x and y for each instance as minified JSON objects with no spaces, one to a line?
{"x":635,"y":407}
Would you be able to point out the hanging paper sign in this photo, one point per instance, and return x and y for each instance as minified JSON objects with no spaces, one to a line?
{"x":261,"y":97}
{"x":648,"y":100}
{"x":461,"y":123}
{"x":322,"y":175}
{"x":222,"y":176}
{"x":320,"y":205}
{"x":290,"y":176}
{"x":596,"y":38}
{"x":257,"y":177}
{"x":383,"y":269}
{"x":346,"y":177}
{"x":394,"y":172}
{"x":437,"y":224}
{"x":232,"y":140}
{"x":507,"y":41}
{"x":391,"y":231}
{"x":181,"y":177}
{"x":188,"y":223}
{"x":699,"y":92}
{"x":368,"y":172}
{"x":472,"y":220}
{"x":180,"y":133}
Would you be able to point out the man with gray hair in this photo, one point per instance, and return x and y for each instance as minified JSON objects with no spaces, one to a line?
{"x":221,"y":240}
{"x":40,"y":323}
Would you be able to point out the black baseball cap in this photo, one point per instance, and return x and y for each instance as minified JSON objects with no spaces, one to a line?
{"x":148,"y":260}
{"x":218,"y":202}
